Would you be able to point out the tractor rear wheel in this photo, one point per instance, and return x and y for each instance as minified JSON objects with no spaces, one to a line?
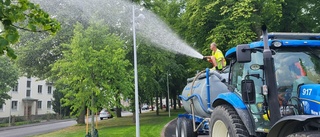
{"x":305,"y":134}
{"x":187,"y":128}
{"x":225,"y":122}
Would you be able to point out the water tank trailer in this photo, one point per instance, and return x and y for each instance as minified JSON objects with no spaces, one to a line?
{"x":273,"y":90}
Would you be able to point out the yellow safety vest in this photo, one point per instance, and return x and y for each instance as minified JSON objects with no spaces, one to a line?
{"x":221,"y":62}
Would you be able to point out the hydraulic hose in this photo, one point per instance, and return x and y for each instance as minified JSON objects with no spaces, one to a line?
{"x":199,"y":98}
{"x":195,"y":78}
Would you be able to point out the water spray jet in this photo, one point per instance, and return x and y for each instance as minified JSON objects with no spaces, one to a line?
{"x":117,"y":14}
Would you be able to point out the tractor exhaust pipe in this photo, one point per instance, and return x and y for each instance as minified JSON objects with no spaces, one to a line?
{"x":273,"y":103}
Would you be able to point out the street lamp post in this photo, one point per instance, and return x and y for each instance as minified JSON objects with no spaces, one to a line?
{"x":168,"y":92}
{"x":135,"y":74}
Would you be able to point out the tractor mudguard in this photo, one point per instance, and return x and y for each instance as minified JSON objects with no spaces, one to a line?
{"x":290,"y":124}
{"x":235,"y":101}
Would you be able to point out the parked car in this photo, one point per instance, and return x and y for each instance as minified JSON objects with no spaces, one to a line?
{"x":145,"y":107}
{"x":105,"y":114}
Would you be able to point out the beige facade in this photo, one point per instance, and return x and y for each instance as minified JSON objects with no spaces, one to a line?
{"x":31,"y":96}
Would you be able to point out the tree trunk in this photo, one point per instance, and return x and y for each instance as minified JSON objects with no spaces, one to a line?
{"x":174,"y":97}
{"x":151,"y":103}
{"x":132,"y":104}
{"x":134,"y":117}
{"x":161,"y":105}
{"x":118,"y":109}
{"x":140,"y":108}
{"x":92,"y":115}
{"x":157,"y":104}
{"x":80,"y":119}
{"x":167,"y":103}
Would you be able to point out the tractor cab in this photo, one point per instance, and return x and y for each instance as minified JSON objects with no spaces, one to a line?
{"x":296,"y":68}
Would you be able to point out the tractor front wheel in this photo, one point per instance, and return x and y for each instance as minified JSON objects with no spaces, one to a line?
{"x":225,"y":122}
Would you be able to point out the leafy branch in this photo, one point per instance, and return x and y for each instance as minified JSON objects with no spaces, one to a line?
{"x":13,"y":14}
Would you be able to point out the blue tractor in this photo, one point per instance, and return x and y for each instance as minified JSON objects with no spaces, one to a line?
{"x":272,"y":90}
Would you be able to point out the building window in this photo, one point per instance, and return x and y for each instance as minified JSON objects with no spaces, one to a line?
{"x":49,"y":104}
{"x":1,"y":107}
{"x":28,"y":84}
{"x":28,"y":93}
{"x":40,"y":89}
{"x":39,"y":104}
{"x":49,"y":89}
{"x":14,"y":105}
{"x":15,"y":88}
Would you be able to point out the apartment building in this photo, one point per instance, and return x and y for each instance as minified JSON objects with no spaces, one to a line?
{"x":30,"y":96}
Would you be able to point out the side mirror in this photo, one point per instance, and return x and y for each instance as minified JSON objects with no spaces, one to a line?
{"x":248,"y":91}
{"x":243,"y":53}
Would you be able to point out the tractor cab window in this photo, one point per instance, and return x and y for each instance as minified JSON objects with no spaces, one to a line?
{"x":236,"y":76}
{"x":296,"y":66}
{"x":240,"y":71}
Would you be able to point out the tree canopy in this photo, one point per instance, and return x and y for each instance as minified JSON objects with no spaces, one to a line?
{"x":93,"y":63}
{"x":8,"y":78}
{"x":24,"y":15}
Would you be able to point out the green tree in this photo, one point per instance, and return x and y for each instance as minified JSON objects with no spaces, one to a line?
{"x":9,"y":77}
{"x":22,"y":14}
{"x":57,"y":104}
{"x":37,"y":52}
{"x":299,"y":16}
{"x":232,"y":22}
{"x":152,"y":64}
{"x":94,"y":68}
{"x":154,"y":68}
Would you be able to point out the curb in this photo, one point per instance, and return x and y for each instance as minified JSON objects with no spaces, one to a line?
{"x":165,"y":128}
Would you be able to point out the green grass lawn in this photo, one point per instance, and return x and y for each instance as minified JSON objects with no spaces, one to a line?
{"x":151,"y":125}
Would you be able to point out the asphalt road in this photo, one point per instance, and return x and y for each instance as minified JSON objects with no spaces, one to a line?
{"x":35,"y":129}
{"x":43,"y":127}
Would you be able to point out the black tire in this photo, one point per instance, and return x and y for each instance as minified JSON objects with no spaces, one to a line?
{"x":226,"y":122}
{"x":101,"y":118}
{"x":187,"y":128}
{"x":305,"y":134}
{"x":178,"y":127}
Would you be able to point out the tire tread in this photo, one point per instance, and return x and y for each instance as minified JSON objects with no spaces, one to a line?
{"x":236,"y":122}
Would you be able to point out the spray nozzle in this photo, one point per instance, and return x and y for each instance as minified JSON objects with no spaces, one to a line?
{"x":204,"y":58}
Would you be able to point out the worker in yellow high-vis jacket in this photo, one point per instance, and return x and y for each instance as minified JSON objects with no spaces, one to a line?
{"x":217,"y":58}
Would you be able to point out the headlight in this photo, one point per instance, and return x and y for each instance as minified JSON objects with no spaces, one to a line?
{"x":277,"y":44}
